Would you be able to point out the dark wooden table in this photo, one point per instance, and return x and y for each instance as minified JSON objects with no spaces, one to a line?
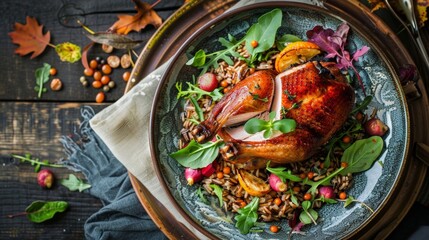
{"x":32,"y":125}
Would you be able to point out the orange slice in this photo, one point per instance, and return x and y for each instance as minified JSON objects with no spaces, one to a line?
{"x":252,"y":184}
{"x":295,"y":52}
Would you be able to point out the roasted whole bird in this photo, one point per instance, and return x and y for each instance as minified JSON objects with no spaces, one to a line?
{"x":315,"y":94}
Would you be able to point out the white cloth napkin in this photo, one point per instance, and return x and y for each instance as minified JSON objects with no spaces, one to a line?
{"x":124,"y":127}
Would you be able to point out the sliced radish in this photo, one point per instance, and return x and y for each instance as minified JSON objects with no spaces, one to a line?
{"x":207,"y":82}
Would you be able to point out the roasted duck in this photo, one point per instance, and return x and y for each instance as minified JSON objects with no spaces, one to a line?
{"x":315,"y":94}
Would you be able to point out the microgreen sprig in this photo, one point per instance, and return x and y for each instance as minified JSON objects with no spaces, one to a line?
{"x":255,"y":125}
{"x":193,"y":90}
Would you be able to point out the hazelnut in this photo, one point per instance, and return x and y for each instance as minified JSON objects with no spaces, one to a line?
{"x":107,"y":48}
{"x":56,"y":84}
{"x":125,"y":61}
{"x":113,"y":61}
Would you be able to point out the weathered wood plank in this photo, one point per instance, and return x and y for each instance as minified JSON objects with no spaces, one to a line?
{"x":18,"y":78}
{"x":36,"y":128}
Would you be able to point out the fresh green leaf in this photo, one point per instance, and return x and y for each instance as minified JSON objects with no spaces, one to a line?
{"x":349,"y":201}
{"x":198,"y":60}
{"x":293,"y":198}
{"x":193,"y":90}
{"x":309,"y":216}
{"x":198,"y":109}
{"x":218,"y":191}
{"x":247,"y":216}
{"x":196,"y":155}
{"x":255,"y":125}
{"x":201,"y":196}
{"x":306,"y":205}
{"x":361,"y":154}
{"x":283,"y":174}
{"x":324,"y":181}
{"x":42,"y":76}
{"x":73,"y":183}
{"x":40,"y":211}
{"x":284,"y":125}
{"x":285,"y":39}
{"x":264,"y":32}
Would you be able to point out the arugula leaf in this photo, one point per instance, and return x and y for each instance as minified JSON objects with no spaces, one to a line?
{"x":283,"y":174}
{"x":40,"y":211}
{"x":36,"y":162}
{"x":73,"y":183}
{"x":197,"y":107}
{"x":198,"y":60}
{"x":42,"y":77}
{"x":349,"y":201}
{"x":309,"y":216}
{"x":216,"y":95}
{"x":247,"y":216}
{"x":196,"y":155}
{"x":362,"y":154}
{"x":218,"y":191}
{"x":201,"y":196}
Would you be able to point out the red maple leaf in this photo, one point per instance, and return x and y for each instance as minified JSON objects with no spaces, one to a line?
{"x":30,"y":38}
{"x":145,"y":15}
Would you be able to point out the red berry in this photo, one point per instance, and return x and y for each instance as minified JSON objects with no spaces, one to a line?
{"x":208,"y":82}
{"x":45,"y":178}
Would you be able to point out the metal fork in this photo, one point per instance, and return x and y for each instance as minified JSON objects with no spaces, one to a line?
{"x":413,"y":28}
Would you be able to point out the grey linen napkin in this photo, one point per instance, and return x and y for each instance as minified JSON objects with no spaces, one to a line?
{"x":122,"y":216}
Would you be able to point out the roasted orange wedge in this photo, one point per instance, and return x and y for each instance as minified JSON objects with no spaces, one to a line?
{"x":295,"y":53}
{"x":252,"y":184}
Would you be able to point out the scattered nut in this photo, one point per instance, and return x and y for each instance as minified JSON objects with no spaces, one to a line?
{"x":113,"y":61}
{"x":56,"y":84}
{"x":111,"y":84}
{"x":106,"y":88}
{"x":82,"y":79}
{"x":107,"y":48}
{"x":125,"y":61}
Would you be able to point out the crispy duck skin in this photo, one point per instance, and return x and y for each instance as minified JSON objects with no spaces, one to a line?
{"x":318,"y":97}
{"x":246,"y":99}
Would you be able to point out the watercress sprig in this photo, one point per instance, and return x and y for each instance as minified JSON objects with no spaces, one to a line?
{"x":255,"y":125}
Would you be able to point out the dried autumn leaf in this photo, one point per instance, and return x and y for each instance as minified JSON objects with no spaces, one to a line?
{"x":68,"y":52}
{"x":145,"y":15}
{"x":114,"y":40}
{"x":30,"y":38}
{"x":421,"y":9}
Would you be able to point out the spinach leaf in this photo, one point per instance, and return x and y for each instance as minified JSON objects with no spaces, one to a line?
{"x":247,"y":216}
{"x":40,"y":211}
{"x":197,"y":155}
{"x":286,"y":38}
{"x":362,"y":154}
{"x":264,"y":32}
{"x":218,"y":191}
{"x":42,"y":76}
{"x":73,"y":183}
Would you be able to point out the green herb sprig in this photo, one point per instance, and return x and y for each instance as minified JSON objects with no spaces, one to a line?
{"x":255,"y":125}
{"x":218,"y":191}
{"x":36,"y":162}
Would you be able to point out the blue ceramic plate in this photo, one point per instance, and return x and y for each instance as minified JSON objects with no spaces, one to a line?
{"x":373,"y":187}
